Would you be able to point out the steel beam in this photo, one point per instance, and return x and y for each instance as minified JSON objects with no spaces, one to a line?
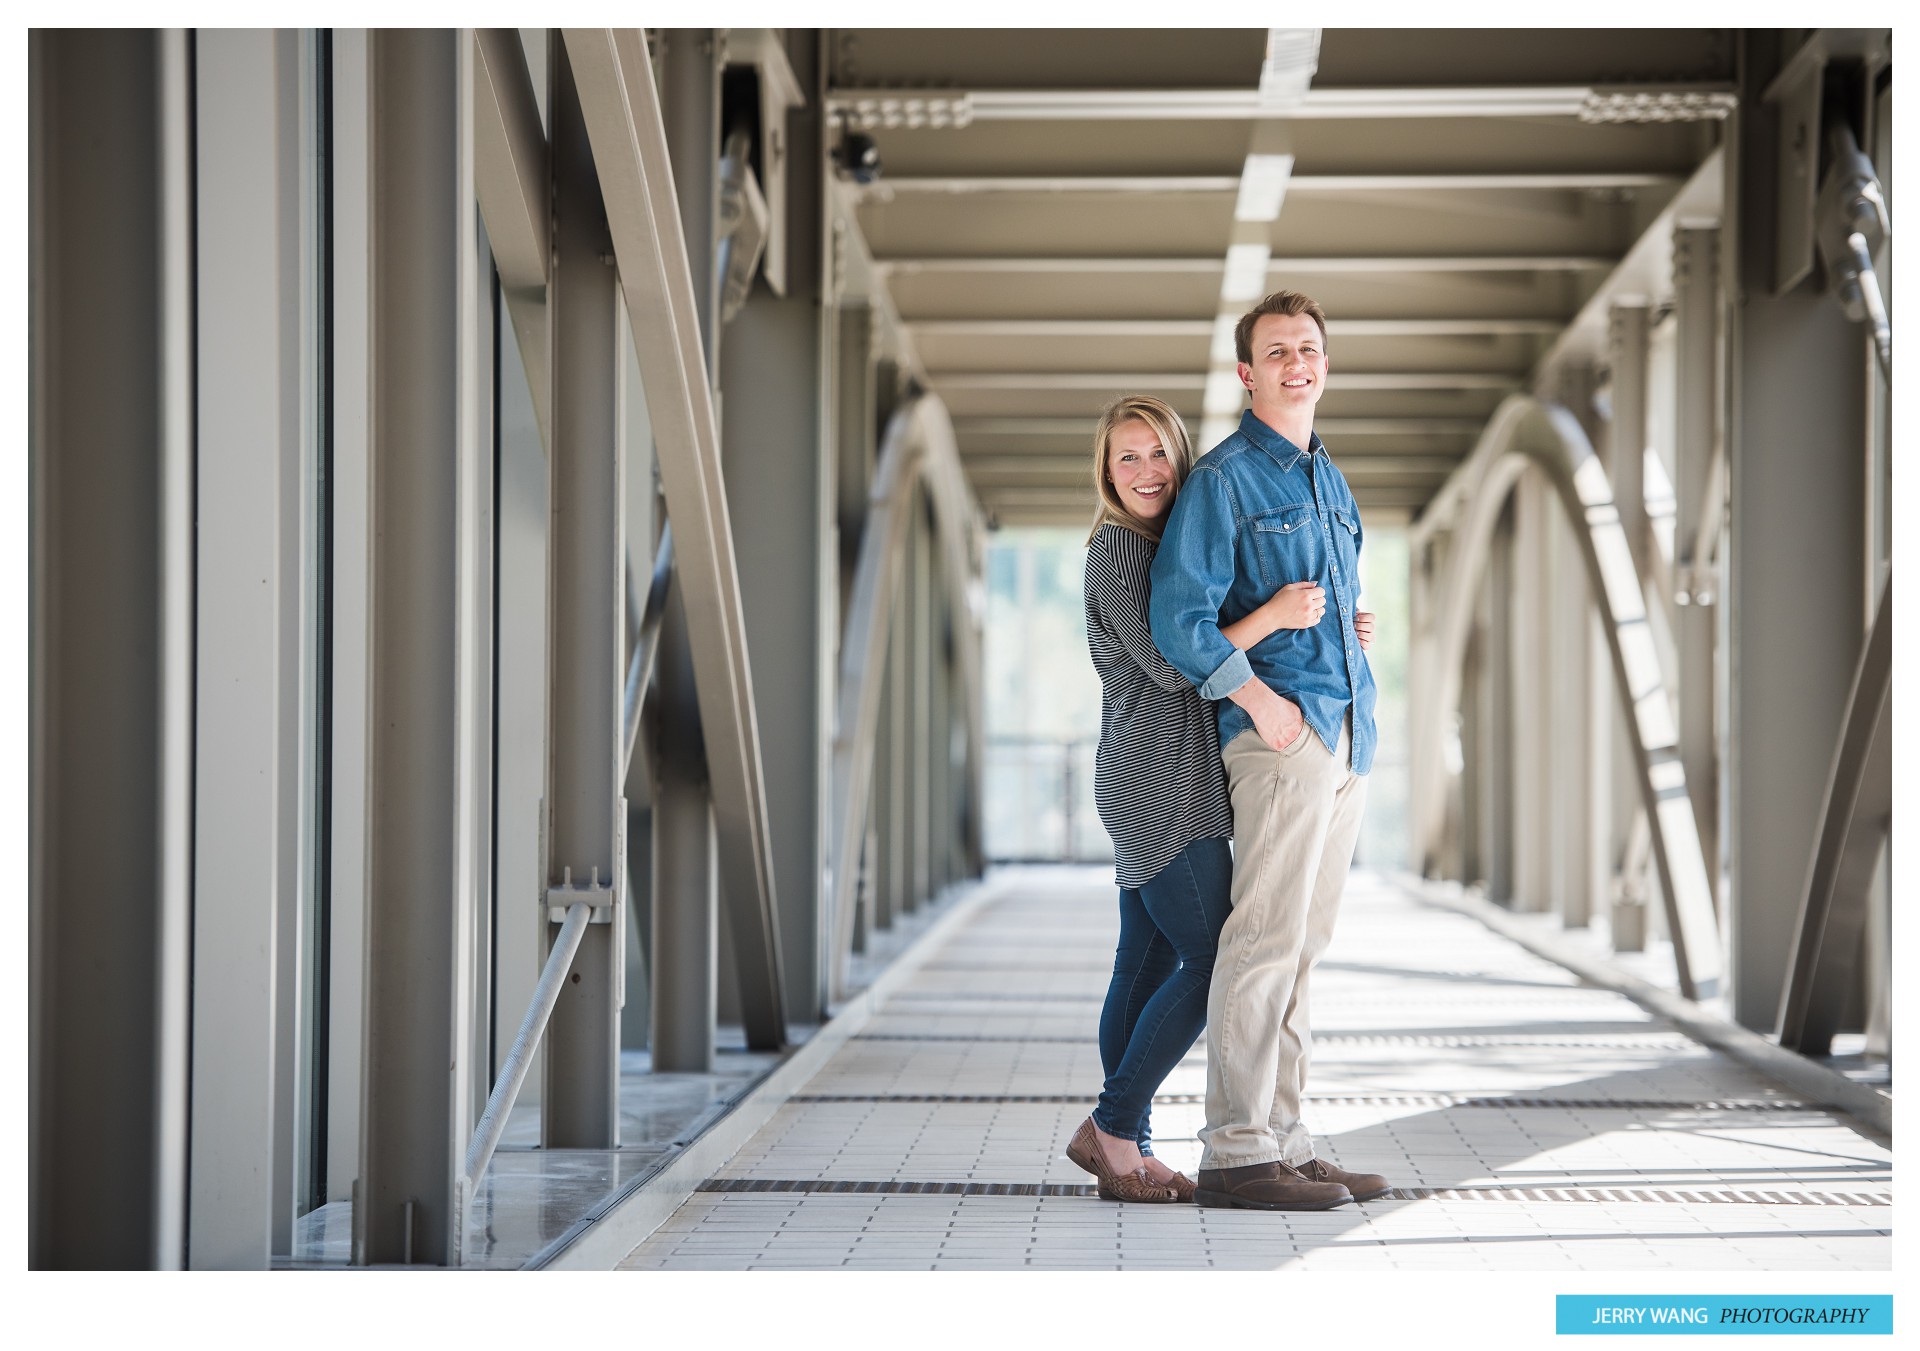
{"x":778,"y":456}
{"x":884,"y":804}
{"x":351,"y":595}
{"x":512,"y":180}
{"x":1533,"y":747}
{"x":615,"y":79}
{"x":1525,"y":432}
{"x":247,"y":725}
{"x":1823,"y":977}
{"x":874,"y":107}
{"x":1203,"y":328}
{"x":1796,"y":438}
{"x":1626,"y":439}
{"x":1550,"y":181}
{"x":684,"y":992}
{"x":1699,"y":505}
{"x":422,"y":802}
{"x":585,"y":851}
{"x":110,"y":683}
{"x":1278,"y":268}
{"x":878,"y":574}
{"x":920,"y":686}
{"x":897,"y":746}
{"x":685,"y":888}
{"x":1498,"y":757}
{"x":1115,"y":380}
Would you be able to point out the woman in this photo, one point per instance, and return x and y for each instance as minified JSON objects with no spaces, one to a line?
{"x":1162,"y":794}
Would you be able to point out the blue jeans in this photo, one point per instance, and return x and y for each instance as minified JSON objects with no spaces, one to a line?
{"x":1157,"y":1002}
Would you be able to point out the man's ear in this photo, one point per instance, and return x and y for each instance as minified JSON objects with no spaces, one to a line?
{"x":1246,"y":374}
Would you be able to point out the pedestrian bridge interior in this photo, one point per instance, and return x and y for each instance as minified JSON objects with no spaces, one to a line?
{"x":561,"y":729}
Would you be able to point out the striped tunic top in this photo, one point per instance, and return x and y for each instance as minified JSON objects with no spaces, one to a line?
{"x":1157,"y":778}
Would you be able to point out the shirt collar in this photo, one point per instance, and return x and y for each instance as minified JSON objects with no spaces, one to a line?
{"x":1283,"y":451}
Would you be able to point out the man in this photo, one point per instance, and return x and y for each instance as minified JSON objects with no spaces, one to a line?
{"x":1264,"y":508}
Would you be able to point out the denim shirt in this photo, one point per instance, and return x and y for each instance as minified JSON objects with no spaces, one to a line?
{"x":1251,"y":517}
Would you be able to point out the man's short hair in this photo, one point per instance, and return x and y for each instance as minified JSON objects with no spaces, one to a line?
{"x":1280,"y":302}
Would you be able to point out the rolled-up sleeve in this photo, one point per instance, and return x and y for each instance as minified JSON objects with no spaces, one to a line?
{"x":1191,"y":576}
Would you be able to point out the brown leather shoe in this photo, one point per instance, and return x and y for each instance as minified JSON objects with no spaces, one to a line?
{"x":1267,"y":1186}
{"x":1364,"y":1186}
{"x":1084,"y":1150}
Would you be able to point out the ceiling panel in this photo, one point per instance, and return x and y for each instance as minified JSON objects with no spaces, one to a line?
{"x":1030,"y":298}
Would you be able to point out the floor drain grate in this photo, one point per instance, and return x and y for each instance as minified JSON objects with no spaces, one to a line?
{"x":1613,"y":1195}
{"x":1596,"y":1042}
{"x":1357,"y":1100}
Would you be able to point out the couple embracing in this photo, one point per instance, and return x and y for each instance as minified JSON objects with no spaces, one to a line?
{"x":1237,"y":704}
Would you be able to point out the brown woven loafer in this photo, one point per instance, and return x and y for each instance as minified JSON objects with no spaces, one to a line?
{"x":1084,"y":1150}
{"x":1267,"y":1186}
{"x":1364,"y":1186}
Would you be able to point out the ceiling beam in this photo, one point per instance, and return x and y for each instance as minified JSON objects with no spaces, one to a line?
{"x":883,"y":188}
{"x":1202,"y":328}
{"x":1341,"y":380}
{"x":964,"y":427}
{"x":887,"y":108}
{"x":1026,"y":468}
{"x":1066,"y":502}
{"x":1505,"y":262}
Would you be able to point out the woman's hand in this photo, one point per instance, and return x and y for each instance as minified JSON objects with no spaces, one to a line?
{"x":1363,"y":628}
{"x":1297,"y":605}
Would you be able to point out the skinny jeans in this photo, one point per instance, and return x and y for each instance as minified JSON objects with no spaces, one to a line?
{"x":1156,"y":1003}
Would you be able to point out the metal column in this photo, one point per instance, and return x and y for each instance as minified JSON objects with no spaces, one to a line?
{"x":1531,"y":656}
{"x":1699,"y":491}
{"x":885,"y":791}
{"x":686,"y":916}
{"x":586,"y":817}
{"x":247,"y":604}
{"x":1572,"y":696}
{"x":685,"y":894}
{"x":920,"y":684}
{"x":1799,"y":371}
{"x":939,"y":749}
{"x":110,"y":692}
{"x":778,"y":469}
{"x":1625,"y":445}
{"x":421,"y":802}
{"x":1495,"y":743}
{"x":896,"y":746}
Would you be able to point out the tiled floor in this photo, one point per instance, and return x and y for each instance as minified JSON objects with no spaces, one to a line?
{"x":1528,"y":1122}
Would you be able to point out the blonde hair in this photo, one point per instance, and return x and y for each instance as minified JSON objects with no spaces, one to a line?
{"x":1166,"y":424}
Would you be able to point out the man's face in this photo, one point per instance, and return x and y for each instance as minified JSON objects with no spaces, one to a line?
{"x":1289,"y":366}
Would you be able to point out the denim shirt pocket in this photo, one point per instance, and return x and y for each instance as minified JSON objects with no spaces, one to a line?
{"x":1285,"y":546}
{"x":1346,"y":540}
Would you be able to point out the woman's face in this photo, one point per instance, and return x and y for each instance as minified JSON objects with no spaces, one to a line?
{"x":1141,"y":472}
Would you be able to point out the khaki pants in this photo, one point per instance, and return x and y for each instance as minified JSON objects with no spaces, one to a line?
{"x":1296,"y":814}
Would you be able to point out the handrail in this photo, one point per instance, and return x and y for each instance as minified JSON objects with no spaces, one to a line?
{"x":646,"y":645}
{"x":513,"y":1073}
{"x":1523,"y":433}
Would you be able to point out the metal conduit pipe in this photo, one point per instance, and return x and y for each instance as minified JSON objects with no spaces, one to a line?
{"x":646,"y":645}
{"x":513,"y":1073}
{"x":1853,"y":226}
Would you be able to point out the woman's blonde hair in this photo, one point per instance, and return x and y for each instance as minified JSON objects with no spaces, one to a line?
{"x":1166,"y":424}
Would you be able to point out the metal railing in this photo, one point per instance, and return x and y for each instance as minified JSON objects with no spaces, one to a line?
{"x":1039,"y":801}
